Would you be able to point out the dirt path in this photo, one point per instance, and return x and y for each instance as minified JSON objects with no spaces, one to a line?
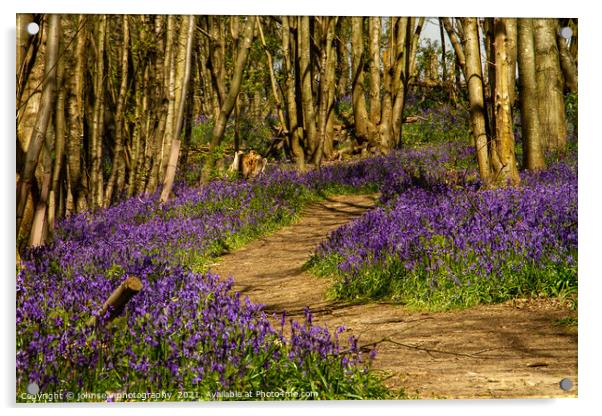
{"x":515,"y":349}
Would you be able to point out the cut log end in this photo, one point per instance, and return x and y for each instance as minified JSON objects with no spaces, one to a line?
{"x":119,"y":298}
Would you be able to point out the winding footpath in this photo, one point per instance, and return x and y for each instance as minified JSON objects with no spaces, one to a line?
{"x":512,"y":350}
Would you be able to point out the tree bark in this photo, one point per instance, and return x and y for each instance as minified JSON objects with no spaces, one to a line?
{"x":533,"y":157}
{"x":295,"y":132}
{"x":26,"y":176}
{"x":275,"y":92}
{"x":309,"y":116}
{"x":59,"y":146}
{"x":118,"y":157}
{"x":504,"y":138}
{"x":360,"y":114}
{"x":552,"y":117}
{"x":374,"y":63}
{"x":77,"y":201}
{"x":474,"y":79}
{"x":326,"y":85}
{"x":226,"y":109}
{"x":183,"y":76}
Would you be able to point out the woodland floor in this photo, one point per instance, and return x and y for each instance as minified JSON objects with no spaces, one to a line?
{"x":512,"y":350}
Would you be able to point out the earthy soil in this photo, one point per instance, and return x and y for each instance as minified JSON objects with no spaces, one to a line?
{"x":517,"y":349}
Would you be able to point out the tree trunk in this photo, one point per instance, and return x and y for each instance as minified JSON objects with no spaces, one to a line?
{"x":374,"y":62}
{"x":119,"y":111}
{"x":401,"y":75}
{"x":326,"y":85}
{"x":511,"y":48}
{"x":342,"y":57}
{"x":504,"y":138}
{"x":294,"y":130}
{"x":96,"y":179}
{"x":533,"y":157}
{"x":75,"y":135}
{"x":360,"y":114}
{"x":226,"y":109}
{"x":169,"y":75}
{"x":567,"y":64}
{"x":26,"y":176}
{"x":474,"y":79}
{"x":183,"y":76}
{"x":59,"y":146}
{"x":552,"y":117}
{"x":309,"y":117}
{"x":273,"y":85}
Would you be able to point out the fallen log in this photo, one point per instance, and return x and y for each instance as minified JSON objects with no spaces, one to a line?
{"x":118,"y":299}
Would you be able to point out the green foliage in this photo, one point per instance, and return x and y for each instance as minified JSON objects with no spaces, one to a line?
{"x":449,"y":288}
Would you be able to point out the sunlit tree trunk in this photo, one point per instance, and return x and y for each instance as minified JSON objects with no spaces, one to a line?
{"x":309,"y":117}
{"x":273,"y":85}
{"x":119,"y":112}
{"x":511,"y":49}
{"x":504,"y":138}
{"x":228,"y":105}
{"x":169,"y":76}
{"x":326,"y":85}
{"x":77,"y":200}
{"x":294,"y":130}
{"x":374,"y":24}
{"x":360,"y":113}
{"x":474,"y":79}
{"x":552,"y":117}
{"x":96,"y":177}
{"x":183,"y":77}
{"x":54,"y":202}
{"x":27,"y":173}
{"x":533,"y":157}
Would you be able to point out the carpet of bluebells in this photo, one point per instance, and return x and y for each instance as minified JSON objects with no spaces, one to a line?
{"x":439,"y":240}
{"x":186,"y":331}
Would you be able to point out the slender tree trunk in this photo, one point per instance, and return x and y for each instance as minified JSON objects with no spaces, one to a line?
{"x":385,"y":135}
{"x":326,"y":85}
{"x":118,"y":156}
{"x":342,"y":57}
{"x":59,"y":146}
{"x":226,"y":109}
{"x":275,"y":92}
{"x":533,"y":157}
{"x":95,"y":198}
{"x":360,"y":114}
{"x":552,"y":117}
{"x":474,"y":79}
{"x":443,"y":54}
{"x":455,"y":41}
{"x":294,"y":130}
{"x":511,"y":48}
{"x":26,"y":176}
{"x":169,"y":75}
{"x":374,"y":24}
{"x":504,"y":138}
{"x":401,"y":78}
{"x":75,"y":130}
{"x":309,"y":117}
{"x":183,"y":75}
